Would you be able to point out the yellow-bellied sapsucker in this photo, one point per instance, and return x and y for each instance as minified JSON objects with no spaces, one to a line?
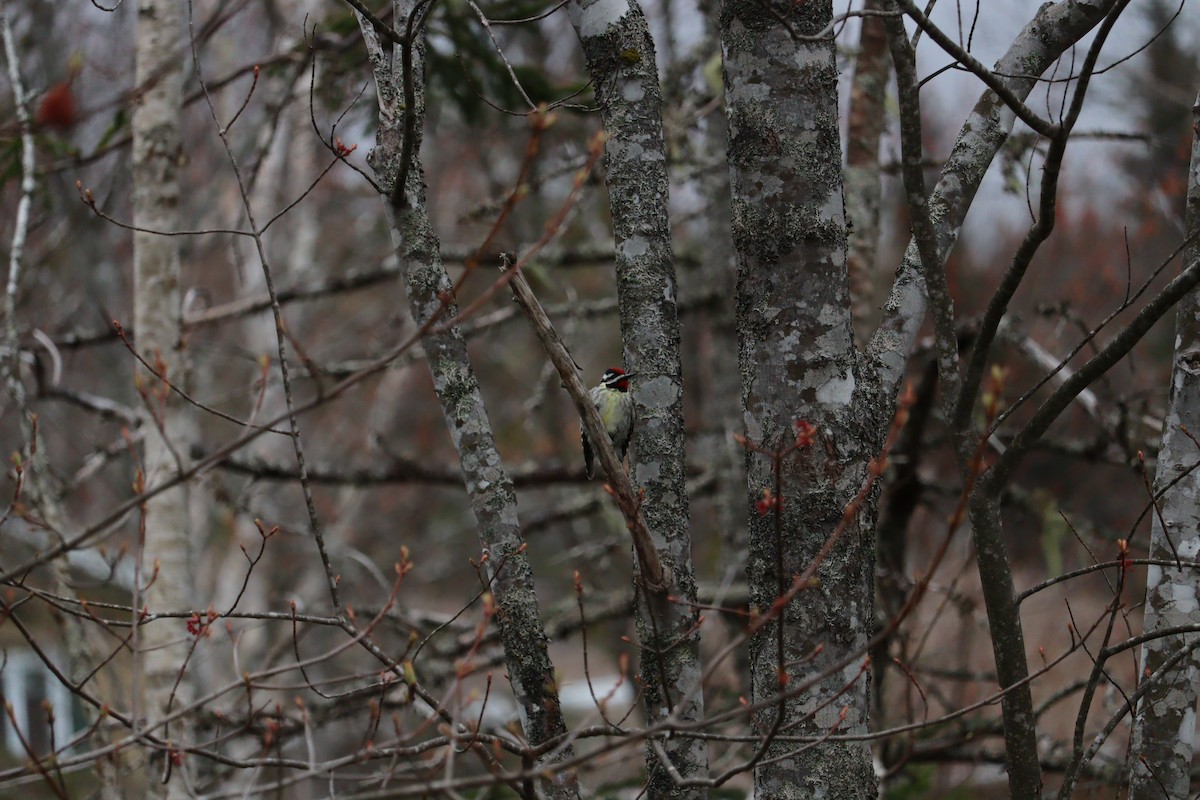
{"x":613,"y":401}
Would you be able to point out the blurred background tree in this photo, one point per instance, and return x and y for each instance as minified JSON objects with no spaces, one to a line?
{"x":403,"y":690}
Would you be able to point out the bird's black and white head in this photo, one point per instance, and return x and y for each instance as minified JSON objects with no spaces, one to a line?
{"x":616,"y":378}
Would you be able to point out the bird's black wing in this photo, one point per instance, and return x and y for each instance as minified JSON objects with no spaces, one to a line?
{"x":589,"y":466}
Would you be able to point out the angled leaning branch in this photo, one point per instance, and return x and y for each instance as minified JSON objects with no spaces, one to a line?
{"x":655,"y":576}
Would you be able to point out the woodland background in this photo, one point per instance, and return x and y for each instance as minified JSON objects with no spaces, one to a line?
{"x":401,"y":687}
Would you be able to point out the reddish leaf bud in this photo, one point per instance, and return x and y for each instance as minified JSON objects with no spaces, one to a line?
{"x":806,"y":432}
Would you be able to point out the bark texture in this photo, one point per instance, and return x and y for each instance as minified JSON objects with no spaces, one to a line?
{"x":621,"y":62}
{"x":798,"y":362}
{"x":492,"y":497}
{"x":1165,"y":725}
{"x":157,"y":320}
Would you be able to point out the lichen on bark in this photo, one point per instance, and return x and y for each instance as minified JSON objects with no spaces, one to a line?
{"x":489,"y":488}
{"x":621,"y":62}
{"x":798,"y":362}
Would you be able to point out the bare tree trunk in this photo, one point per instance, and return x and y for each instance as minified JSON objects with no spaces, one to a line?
{"x":166,"y":567}
{"x":1166,"y":717}
{"x":621,"y":61}
{"x":493,"y":500}
{"x":798,"y":363}
{"x":721,"y":386}
{"x":867,"y":119}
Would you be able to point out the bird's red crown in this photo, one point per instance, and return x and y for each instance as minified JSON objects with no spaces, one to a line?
{"x":616,"y":378}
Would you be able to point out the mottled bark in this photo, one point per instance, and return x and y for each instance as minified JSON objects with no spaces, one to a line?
{"x":157,"y":320}
{"x":994,"y":481}
{"x":489,"y":488}
{"x":1164,"y":728}
{"x":621,"y":62}
{"x":865,"y":125}
{"x":798,"y":362}
{"x":1053,"y":30}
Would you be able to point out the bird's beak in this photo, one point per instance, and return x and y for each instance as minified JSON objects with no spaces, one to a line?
{"x":629,"y":375}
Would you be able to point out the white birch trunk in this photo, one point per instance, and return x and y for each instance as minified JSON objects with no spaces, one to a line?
{"x":156,"y":159}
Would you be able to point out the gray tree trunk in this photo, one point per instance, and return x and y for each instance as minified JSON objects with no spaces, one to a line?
{"x":798,"y":362}
{"x":493,"y":500}
{"x":621,"y":61}
{"x":1164,"y":728}
{"x":720,"y":411}
{"x":867,"y":119}
{"x":157,"y":153}
{"x":1008,"y":645}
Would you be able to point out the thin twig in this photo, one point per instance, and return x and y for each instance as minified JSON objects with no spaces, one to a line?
{"x":318,"y":534}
